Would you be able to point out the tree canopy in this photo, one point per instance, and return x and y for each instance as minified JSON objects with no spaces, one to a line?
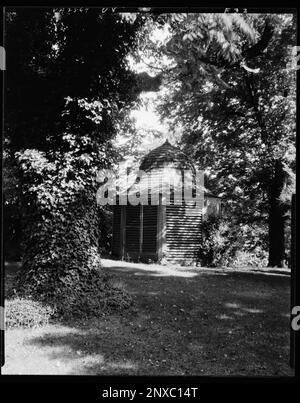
{"x":231,"y":92}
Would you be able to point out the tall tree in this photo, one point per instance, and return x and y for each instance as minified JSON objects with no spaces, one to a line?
{"x":68,"y":87}
{"x":231,"y":91}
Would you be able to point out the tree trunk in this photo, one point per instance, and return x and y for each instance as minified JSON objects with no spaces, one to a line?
{"x":276,"y":219}
{"x":276,"y":235}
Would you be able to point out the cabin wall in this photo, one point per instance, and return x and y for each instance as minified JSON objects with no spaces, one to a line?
{"x":149,"y":244}
{"x":132,"y":232}
{"x":183,"y":234}
{"x":140,"y":242}
{"x":169,"y":233}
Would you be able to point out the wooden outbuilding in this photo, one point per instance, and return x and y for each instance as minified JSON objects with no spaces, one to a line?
{"x":155,"y":227}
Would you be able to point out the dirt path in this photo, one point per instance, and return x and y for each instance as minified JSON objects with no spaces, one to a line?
{"x":184,"y":322}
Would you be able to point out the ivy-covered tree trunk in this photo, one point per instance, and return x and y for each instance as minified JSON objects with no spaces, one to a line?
{"x":66,"y":272}
{"x":276,"y":219}
{"x":61,"y":263}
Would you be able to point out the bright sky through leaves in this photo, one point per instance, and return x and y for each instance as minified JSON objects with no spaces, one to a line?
{"x":146,"y":117}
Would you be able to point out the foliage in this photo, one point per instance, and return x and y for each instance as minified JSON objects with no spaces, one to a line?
{"x":250,"y":259}
{"x":63,"y":221}
{"x":228,"y":243}
{"x":12,"y":217}
{"x":233,"y":96}
{"x":69,"y":92}
{"x":21,"y":312}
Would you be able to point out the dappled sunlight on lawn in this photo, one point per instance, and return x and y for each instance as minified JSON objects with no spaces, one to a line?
{"x":224,"y":317}
{"x":58,"y":350}
{"x":155,"y":271}
{"x":184,"y":321}
{"x":245,"y":309}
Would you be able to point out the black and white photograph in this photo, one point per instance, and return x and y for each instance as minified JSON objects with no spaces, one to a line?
{"x":149,"y":190}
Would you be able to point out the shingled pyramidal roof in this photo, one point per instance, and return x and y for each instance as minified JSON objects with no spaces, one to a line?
{"x":164,"y":154}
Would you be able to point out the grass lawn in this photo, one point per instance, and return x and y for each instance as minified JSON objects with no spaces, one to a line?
{"x":185,"y":321}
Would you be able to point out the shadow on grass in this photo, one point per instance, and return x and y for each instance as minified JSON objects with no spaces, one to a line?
{"x":207,"y":323}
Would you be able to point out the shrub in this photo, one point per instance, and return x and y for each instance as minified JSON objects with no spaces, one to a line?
{"x":61,"y":249}
{"x":252,"y":259}
{"x":227,"y":243}
{"x":216,"y":248}
{"x":21,"y":312}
